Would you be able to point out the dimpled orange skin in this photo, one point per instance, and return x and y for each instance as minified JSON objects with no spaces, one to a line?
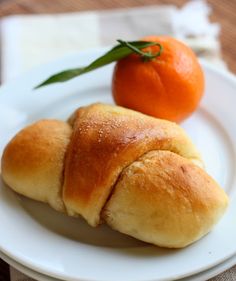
{"x":169,"y":86}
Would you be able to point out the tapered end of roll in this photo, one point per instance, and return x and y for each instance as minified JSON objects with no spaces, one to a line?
{"x":33,"y":161}
{"x":166,"y":200}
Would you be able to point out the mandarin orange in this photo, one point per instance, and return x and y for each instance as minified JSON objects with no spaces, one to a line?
{"x":169,"y":86}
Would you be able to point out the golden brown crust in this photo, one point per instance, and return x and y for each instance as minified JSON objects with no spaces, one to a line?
{"x":166,"y":200}
{"x":105,"y":140}
{"x":137,"y":173}
{"x":33,"y":161}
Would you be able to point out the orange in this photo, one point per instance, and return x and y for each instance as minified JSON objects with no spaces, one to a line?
{"x":169,"y":86}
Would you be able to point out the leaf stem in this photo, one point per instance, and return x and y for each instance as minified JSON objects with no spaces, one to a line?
{"x":145,"y":55}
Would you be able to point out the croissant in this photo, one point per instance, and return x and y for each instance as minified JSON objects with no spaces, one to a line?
{"x":141,"y":175}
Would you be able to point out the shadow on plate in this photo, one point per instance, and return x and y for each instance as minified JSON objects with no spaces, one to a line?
{"x":77,"y":229}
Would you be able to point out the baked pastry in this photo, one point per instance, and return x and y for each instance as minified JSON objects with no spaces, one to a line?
{"x":141,"y":175}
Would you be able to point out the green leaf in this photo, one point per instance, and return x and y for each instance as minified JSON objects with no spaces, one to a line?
{"x":116,"y":53}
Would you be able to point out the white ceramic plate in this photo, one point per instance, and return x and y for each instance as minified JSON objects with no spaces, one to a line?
{"x":27,"y":271}
{"x":67,"y":248}
{"x":205,"y":275}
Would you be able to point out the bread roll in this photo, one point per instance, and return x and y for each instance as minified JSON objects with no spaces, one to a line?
{"x":138,"y":174}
